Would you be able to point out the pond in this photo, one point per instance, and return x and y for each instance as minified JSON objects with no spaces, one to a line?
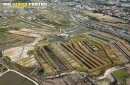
{"x":57,"y":39}
{"x":12,"y":78}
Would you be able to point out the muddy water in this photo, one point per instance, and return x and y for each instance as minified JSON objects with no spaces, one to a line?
{"x":12,"y":78}
{"x":56,"y":39}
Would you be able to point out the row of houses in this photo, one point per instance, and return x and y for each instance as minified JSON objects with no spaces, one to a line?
{"x":111,"y":10}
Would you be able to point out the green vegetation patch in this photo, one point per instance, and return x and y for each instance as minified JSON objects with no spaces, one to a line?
{"x":57,"y":39}
{"x":23,"y":69}
{"x":89,"y":16}
{"x":104,"y":39}
{"x":92,"y":18}
{"x":17,"y":25}
{"x":61,"y":19}
{"x":105,"y":79}
{"x":41,"y":16}
{"x":121,"y":76}
{"x":51,"y":22}
{"x":2,"y":68}
{"x":30,"y":52}
{"x":2,"y":33}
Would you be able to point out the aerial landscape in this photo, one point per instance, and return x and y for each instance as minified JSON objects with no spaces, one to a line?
{"x":64,"y":42}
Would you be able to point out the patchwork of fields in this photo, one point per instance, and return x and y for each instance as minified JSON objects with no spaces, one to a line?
{"x":74,"y":55}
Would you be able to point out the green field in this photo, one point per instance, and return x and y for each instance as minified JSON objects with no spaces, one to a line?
{"x":19,"y":25}
{"x":121,"y":76}
{"x":2,"y":32}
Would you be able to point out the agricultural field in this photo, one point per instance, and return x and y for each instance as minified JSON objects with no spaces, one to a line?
{"x":121,"y":51}
{"x":20,"y":49}
{"x":120,"y":48}
{"x":20,"y":56}
{"x":35,"y":33}
{"x":52,"y":18}
{"x":81,"y":53}
{"x":55,"y":59}
{"x":73,"y":63}
{"x":104,"y":18}
{"x":20,"y":44}
{"x":86,"y":53}
{"x":44,"y":63}
{"x":17,"y":25}
{"x":5,"y":21}
{"x":24,"y":33}
{"x":63,"y":44}
{"x":61,"y":19}
{"x":118,"y":25}
{"x":28,"y":61}
{"x":12,"y":41}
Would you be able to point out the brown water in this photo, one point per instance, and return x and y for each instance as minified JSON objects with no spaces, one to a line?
{"x":12,"y":78}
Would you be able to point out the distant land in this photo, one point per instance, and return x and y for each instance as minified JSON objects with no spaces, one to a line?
{"x":23,"y":0}
{"x":4,"y":1}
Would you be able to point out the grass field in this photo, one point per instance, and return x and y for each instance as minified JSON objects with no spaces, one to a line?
{"x":121,"y":76}
{"x":2,"y":33}
{"x":61,"y":19}
{"x":19,"y":25}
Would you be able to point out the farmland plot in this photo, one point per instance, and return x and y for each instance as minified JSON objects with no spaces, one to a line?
{"x":66,"y":56}
{"x":25,"y":33}
{"x":43,"y":62}
{"x":61,"y":19}
{"x":121,"y":51}
{"x":83,"y":51}
{"x":17,"y":53}
{"x":54,"y":57}
{"x":28,"y":62}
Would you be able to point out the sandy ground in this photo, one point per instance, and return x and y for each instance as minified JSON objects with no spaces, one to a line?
{"x":105,"y":18}
{"x":17,"y":53}
{"x":20,"y":53}
{"x":28,"y":62}
{"x":25,"y":33}
{"x":102,"y":83}
{"x":14,"y":53}
{"x":37,"y":31}
{"x":32,"y":32}
{"x":25,"y":50}
{"x":128,"y":81}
